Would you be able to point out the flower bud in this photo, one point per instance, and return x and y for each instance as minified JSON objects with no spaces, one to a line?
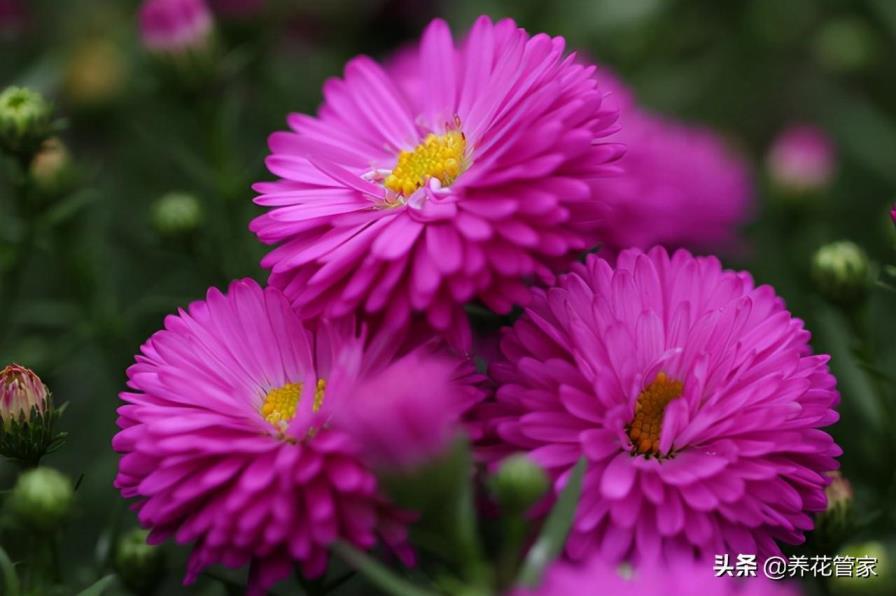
{"x":841,"y":272}
{"x":801,"y":161}
{"x":21,"y":392}
{"x":175,"y":27}
{"x":41,"y":499}
{"x":518,"y":484}
{"x":869,"y":554}
{"x":51,"y":168}
{"x":834,"y":525}
{"x":27,"y":416}
{"x":139,"y":564}
{"x":25,"y":120}
{"x":847,"y":44}
{"x":176,"y":213}
{"x":95,"y":74}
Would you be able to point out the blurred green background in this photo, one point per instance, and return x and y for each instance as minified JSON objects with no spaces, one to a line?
{"x":95,"y":275}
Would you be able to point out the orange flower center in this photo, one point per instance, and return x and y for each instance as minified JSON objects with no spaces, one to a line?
{"x":439,"y":156}
{"x":645,"y":428}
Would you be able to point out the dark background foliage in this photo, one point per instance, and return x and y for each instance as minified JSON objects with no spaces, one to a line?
{"x":95,"y":278}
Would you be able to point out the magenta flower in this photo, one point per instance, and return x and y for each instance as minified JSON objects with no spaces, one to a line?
{"x":175,"y":25}
{"x":227,"y":443}
{"x":692,"y":394}
{"x":802,"y":159}
{"x":682,"y":184}
{"x":461,"y":175}
{"x":684,"y":578}
{"x":398,"y":428}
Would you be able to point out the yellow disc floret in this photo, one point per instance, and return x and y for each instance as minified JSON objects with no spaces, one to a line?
{"x":438,"y":156}
{"x":279,"y":406}
{"x":645,"y":427}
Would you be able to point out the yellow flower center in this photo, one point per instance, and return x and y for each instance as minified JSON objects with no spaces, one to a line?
{"x":644,"y":429}
{"x":438,"y":156}
{"x":279,"y":406}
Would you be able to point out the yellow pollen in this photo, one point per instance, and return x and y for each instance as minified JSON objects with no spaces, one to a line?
{"x":319,"y":395}
{"x":438,"y":156}
{"x":279,"y":405}
{"x":644,"y":429}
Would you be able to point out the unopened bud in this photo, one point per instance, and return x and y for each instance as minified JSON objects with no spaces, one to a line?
{"x":847,"y":44}
{"x":25,"y":120}
{"x":139,"y":564}
{"x":801,"y":161}
{"x":841,"y":272}
{"x":95,"y":74}
{"x":51,"y":168}
{"x":21,"y":393}
{"x":176,"y":213}
{"x":41,"y":499}
{"x":835,"y":523}
{"x":519,"y":483}
{"x":179,"y":30}
{"x":27,"y":416}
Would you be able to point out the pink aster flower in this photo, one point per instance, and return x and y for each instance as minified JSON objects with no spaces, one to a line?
{"x":398,"y":429}
{"x":682,"y":185}
{"x":227,"y":443}
{"x":175,"y":26}
{"x":462,"y":174}
{"x":693,"y":395}
{"x":685,"y":578}
{"x":802,"y":159}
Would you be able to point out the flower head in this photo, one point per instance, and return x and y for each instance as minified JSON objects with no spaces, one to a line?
{"x":842,"y":272}
{"x":685,"y":578}
{"x":175,"y":26}
{"x":802,"y":159}
{"x":459,"y":172}
{"x":41,"y":499}
{"x":25,"y":120}
{"x":21,"y":391}
{"x":659,"y":199}
{"x":227,"y":439}
{"x":692,"y":394}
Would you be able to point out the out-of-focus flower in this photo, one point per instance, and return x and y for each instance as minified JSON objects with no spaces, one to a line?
{"x":461,"y":172}
{"x":175,"y":26}
{"x":25,"y":120}
{"x":12,"y":18}
{"x":875,"y":580}
{"x":227,"y":440}
{"x":96,"y":73}
{"x":139,"y":564}
{"x":21,"y":392}
{"x":51,"y":168}
{"x":410,"y":412}
{"x":802,"y":160}
{"x":684,"y":578}
{"x":693,"y":395}
{"x":835,"y":523}
{"x":41,"y":499}
{"x":847,"y":44}
{"x":237,"y":8}
{"x":518,"y":484}
{"x":841,"y":272}
{"x":682,"y":185}
{"x":176,"y":213}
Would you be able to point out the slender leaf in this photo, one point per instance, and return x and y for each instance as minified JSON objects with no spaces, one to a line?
{"x":553,"y":535}
{"x":377,"y":573}
{"x":10,"y":579}
{"x":98,"y":587}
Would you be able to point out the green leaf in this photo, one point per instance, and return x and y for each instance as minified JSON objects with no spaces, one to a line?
{"x":553,"y":535}
{"x":378,"y":574}
{"x":10,"y":579}
{"x":99,"y":587}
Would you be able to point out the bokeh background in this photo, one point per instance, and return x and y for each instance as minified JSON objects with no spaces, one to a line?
{"x":98,"y":267}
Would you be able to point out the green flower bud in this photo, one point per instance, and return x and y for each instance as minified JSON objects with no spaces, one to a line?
{"x":27,"y":416}
{"x":139,"y":565}
{"x":835,"y":524}
{"x":176,"y":213}
{"x":41,"y":499}
{"x":841,"y":272}
{"x":25,"y":120}
{"x":519,"y":483}
{"x":870,"y":575}
{"x":847,"y":45}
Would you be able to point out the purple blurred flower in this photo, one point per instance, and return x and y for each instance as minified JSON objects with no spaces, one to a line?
{"x":175,"y":26}
{"x":802,"y":159}
{"x":410,"y":412}
{"x":468,"y":172}
{"x":227,"y":439}
{"x":684,"y":578}
{"x":693,"y":395}
{"x":682,"y":185}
